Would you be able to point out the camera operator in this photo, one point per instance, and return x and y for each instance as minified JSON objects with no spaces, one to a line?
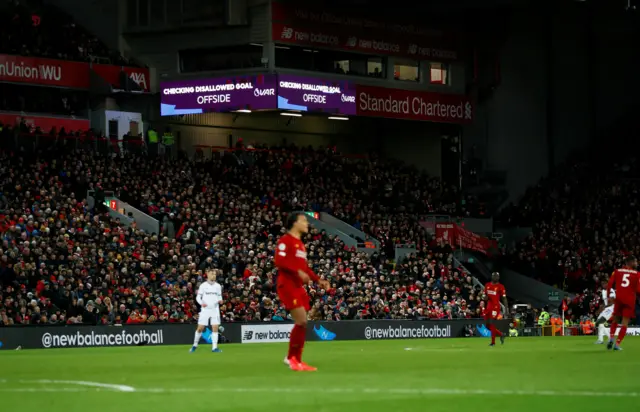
{"x":529,"y":317}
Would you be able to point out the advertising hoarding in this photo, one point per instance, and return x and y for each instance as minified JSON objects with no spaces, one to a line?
{"x":62,"y":73}
{"x":414,"y":105}
{"x":301,"y":24}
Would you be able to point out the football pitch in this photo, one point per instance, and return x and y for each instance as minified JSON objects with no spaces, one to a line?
{"x":526,"y":374}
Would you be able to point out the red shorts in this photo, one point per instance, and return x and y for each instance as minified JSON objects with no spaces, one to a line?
{"x":624,"y":310}
{"x":293,"y":297}
{"x":491,"y":313}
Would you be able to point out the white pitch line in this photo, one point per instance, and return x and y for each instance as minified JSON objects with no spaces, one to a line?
{"x":114,"y":387}
{"x":41,"y":390}
{"x":378,"y":391}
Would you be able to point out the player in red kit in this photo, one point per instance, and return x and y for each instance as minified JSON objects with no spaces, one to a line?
{"x":293,"y":274}
{"x":495,"y":292}
{"x":625,"y":281}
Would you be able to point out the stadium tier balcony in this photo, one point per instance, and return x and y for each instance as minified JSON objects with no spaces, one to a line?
{"x":32,"y":28}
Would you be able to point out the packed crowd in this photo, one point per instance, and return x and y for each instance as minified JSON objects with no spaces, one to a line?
{"x":585,"y":219}
{"x":33,"y":28}
{"x":63,"y":262}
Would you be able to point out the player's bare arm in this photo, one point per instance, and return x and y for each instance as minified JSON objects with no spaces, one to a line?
{"x":303,"y":275}
{"x":506,"y":306}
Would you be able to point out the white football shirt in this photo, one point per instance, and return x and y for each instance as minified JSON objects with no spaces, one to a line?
{"x":209,"y":294}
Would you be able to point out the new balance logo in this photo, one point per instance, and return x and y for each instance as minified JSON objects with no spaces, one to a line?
{"x":287,"y":33}
{"x":266,"y":333}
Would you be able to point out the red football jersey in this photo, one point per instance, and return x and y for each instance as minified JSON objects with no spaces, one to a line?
{"x":290,"y":257}
{"x":625,"y":282}
{"x":495,"y":292}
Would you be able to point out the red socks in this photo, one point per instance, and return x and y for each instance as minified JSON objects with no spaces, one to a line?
{"x":622,"y":334}
{"x":494,"y":332}
{"x":296,"y":342}
{"x":612,"y":330}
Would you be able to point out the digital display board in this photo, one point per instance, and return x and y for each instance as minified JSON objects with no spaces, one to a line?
{"x":254,"y":92}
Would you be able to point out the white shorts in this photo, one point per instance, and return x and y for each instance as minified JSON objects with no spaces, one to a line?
{"x":207,"y":316}
{"x":606,"y":313}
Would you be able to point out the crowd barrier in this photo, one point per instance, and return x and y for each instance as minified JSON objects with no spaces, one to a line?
{"x":554,"y":330}
{"x":84,"y":140}
{"x":208,"y":151}
{"x":77,"y":336}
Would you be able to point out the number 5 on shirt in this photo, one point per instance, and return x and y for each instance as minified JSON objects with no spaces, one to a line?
{"x":625,"y":280}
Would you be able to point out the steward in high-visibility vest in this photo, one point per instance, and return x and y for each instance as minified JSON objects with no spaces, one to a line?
{"x":167,"y":139}
{"x":543,"y":319}
{"x":587,"y":327}
{"x":167,"y":142}
{"x":556,"y":322}
{"x":153,"y":136}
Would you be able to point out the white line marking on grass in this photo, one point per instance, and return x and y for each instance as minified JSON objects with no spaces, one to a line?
{"x":387,"y":391}
{"x":98,"y":387}
{"x":41,"y":390}
{"x":114,"y":387}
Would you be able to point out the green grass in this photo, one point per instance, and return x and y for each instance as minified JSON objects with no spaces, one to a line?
{"x":526,"y":374}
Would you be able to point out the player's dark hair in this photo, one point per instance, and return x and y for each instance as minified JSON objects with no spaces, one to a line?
{"x":291,"y":220}
{"x":630,"y":259}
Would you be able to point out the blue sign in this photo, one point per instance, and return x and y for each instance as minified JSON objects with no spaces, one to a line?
{"x":483,"y":331}
{"x":206,"y":335}
{"x":324,"y":334}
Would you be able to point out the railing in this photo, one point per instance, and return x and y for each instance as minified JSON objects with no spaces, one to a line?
{"x":29,"y":142}
{"x":429,"y":222}
{"x":403,"y":250}
{"x":209,"y":150}
{"x":127,"y":213}
{"x":553,"y":330}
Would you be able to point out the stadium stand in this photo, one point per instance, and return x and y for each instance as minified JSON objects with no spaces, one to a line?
{"x":63,"y":262}
{"x":583,"y":218}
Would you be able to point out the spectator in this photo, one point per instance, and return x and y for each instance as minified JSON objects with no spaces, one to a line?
{"x":224,"y":214}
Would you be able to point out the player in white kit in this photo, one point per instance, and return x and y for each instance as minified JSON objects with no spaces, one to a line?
{"x":605,"y":315}
{"x":209,"y":298}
